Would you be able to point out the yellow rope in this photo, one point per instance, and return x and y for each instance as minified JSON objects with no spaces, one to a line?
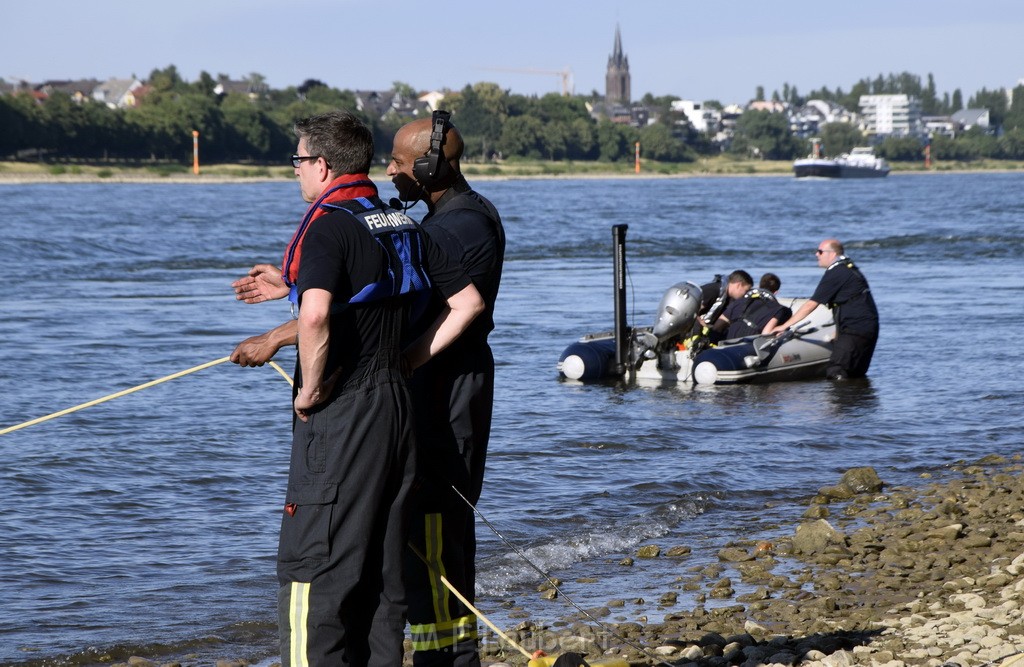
{"x":444,"y":580}
{"x":469,"y":605}
{"x":273,"y":364}
{"x":119,"y":394}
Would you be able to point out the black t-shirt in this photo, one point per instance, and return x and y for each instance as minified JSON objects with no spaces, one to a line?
{"x":340,"y":256}
{"x":749,"y":315}
{"x":844,"y":288}
{"x":476,"y":241}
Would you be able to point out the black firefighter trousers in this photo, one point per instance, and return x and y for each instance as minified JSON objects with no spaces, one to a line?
{"x":343,"y":532}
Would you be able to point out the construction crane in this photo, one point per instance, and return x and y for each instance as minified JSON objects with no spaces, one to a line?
{"x":565,"y":74}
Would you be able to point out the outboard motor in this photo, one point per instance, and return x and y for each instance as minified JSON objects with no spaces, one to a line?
{"x":676,"y":314}
{"x":677,"y":311}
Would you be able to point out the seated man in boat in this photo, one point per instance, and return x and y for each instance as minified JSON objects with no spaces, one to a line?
{"x":772,"y":283}
{"x":716,"y":299}
{"x":756,"y":311}
{"x":739,"y":284}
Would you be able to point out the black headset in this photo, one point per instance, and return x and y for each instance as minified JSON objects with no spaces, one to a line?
{"x":428,"y":169}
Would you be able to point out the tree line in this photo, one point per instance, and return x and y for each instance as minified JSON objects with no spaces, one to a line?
{"x":237,"y":127}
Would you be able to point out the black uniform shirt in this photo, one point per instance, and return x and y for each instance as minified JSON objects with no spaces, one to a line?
{"x":477,"y":242}
{"x":339,"y":255}
{"x":845,"y":288}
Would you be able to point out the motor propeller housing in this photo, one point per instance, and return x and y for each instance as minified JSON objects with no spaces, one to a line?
{"x":677,"y":311}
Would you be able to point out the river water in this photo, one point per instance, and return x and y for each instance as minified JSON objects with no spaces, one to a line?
{"x":147,"y":524}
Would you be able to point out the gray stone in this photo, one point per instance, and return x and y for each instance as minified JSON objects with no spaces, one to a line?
{"x":815,"y":536}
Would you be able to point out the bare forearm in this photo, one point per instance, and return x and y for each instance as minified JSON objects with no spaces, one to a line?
{"x":286,"y":333}
{"x":462,"y":309}
{"x":313,"y":329}
{"x":801,"y":313}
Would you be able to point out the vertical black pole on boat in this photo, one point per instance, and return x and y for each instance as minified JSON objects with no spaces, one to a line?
{"x":619,"y":248}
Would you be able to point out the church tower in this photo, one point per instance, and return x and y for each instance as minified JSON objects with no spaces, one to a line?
{"x":616,"y":90}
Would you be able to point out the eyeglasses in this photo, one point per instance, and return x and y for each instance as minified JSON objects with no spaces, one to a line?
{"x":819,"y":251}
{"x":297,"y":159}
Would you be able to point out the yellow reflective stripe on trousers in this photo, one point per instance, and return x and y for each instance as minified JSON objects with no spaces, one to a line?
{"x":433,"y":636}
{"x":435,"y":567}
{"x":298,"y":614}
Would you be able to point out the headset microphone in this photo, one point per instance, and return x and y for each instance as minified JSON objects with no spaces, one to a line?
{"x":402,"y":206}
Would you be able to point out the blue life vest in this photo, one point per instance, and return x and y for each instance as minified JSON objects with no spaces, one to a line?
{"x":401,"y":239}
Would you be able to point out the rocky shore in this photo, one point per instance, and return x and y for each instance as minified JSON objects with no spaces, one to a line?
{"x":870,"y":575}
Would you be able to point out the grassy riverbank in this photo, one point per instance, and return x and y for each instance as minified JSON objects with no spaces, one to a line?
{"x":42,"y":172}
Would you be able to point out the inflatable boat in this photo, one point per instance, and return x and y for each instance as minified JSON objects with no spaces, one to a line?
{"x":676,"y":349}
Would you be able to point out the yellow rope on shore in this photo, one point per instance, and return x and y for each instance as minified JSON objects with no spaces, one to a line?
{"x":119,"y":394}
{"x":469,"y":605}
{"x":444,"y":580}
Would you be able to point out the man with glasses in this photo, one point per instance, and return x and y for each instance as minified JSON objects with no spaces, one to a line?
{"x":845,"y":290}
{"x":354,"y":267}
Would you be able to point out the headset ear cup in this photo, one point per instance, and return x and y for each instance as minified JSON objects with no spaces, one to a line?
{"x":430,"y":168}
{"x":421,"y":170}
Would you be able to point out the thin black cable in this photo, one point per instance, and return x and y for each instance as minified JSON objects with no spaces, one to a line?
{"x":551,"y":581}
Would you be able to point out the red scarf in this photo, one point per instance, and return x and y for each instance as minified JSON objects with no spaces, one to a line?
{"x":343,"y":188}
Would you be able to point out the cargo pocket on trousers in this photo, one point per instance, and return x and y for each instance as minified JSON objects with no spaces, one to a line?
{"x":306,"y":527}
{"x":316,"y":445}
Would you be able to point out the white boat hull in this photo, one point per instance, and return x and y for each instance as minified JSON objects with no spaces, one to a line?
{"x":753,"y":359}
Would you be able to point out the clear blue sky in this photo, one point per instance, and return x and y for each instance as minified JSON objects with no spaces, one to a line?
{"x":695,"y":50}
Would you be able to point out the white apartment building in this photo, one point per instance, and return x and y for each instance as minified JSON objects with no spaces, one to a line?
{"x":702,"y":119}
{"x":890,"y":114}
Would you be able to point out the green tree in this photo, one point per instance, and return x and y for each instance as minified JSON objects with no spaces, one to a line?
{"x":615,"y":141}
{"x":1015,"y":115}
{"x":21,"y":123}
{"x":979,"y":142}
{"x":658,"y":143}
{"x":248,"y":132}
{"x":994,"y":101}
{"x":404,"y":89}
{"x":766,"y":135}
{"x":522,"y":136}
{"x":945,"y":148}
{"x":901,"y":149}
{"x":556,"y":107}
{"x":837,"y":138}
{"x":205,"y":85}
{"x":1011,"y":144}
{"x":555,"y":139}
{"x":958,"y":101}
{"x":582,"y":139}
{"x":166,"y":80}
{"x":929,"y":98}
{"x":480,"y":111}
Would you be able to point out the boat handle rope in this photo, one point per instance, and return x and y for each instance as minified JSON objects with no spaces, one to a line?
{"x":125,"y":392}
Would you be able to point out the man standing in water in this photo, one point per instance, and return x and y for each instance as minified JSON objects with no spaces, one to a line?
{"x":343,"y":531}
{"x":453,"y":394}
{"x":846,"y":291}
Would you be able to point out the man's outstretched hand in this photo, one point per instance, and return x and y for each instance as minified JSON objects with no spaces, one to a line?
{"x":263,"y":283}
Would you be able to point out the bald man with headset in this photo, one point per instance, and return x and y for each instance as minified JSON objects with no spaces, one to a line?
{"x":452,"y":395}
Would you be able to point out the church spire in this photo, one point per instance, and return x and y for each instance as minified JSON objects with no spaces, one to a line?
{"x":617,"y":78}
